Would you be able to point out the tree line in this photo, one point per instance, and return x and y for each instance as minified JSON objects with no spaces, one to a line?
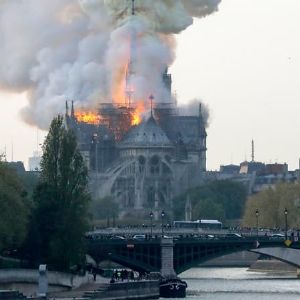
{"x":223,"y":200}
{"x":48,"y":226}
{"x":268,"y":207}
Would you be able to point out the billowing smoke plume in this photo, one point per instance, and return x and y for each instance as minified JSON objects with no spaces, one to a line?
{"x":195,"y":108}
{"x":82,"y":49}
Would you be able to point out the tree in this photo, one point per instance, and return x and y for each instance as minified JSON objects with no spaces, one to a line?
{"x":29,"y":181}
{"x":271,"y":204}
{"x":223,"y":200}
{"x":14,"y":208}
{"x":207,"y":209}
{"x":61,"y":200}
{"x":105,"y":209}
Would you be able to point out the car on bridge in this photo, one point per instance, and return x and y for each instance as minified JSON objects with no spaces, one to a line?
{"x":139,"y":237}
{"x":277,"y":236}
{"x":117,"y":237}
{"x":210,"y":236}
{"x":233,"y":235}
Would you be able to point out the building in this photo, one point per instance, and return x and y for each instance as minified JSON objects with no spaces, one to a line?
{"x":141,"y":165}
{"x":257,"y":176}
{"x":34,"y":162}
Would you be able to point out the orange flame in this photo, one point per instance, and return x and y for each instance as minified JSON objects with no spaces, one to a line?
{"x":118,"y":85}
{"x":136,"y":117}
{"x":88,"y":117}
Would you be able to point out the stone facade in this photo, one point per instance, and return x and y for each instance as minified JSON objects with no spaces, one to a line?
{"x":142,"y":167}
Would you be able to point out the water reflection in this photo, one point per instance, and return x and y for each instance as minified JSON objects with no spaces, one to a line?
{"x":238,"y":283}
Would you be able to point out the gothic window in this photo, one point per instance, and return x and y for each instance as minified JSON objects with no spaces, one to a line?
{"x":142,"y":162}
{"x":154,"y":165}
{"x":165,"y":169}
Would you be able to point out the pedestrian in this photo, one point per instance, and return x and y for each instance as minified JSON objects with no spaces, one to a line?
{"x":131,"y":275}
{"x":94,"y":274}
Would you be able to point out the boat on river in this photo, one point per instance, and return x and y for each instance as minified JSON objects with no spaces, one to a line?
{"x":172,"y":288}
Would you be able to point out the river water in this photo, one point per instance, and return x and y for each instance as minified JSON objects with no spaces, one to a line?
{"x":239,"y":284}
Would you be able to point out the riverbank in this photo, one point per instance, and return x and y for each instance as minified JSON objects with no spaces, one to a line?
{"x":272,"y":266}
{"x":63,"y":286}
{"x":127,"y":290}
{"x":26,"y":281}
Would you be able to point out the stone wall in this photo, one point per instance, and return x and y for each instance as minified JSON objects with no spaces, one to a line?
{"x":26,"y":280}
{"x":31,"y":276}
{"x":148,"y":289}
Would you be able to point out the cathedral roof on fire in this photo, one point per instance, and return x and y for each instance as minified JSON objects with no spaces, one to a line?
{"x":146,"y":134}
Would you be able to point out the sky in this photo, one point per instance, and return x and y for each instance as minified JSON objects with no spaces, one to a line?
{"x":243,"y":62}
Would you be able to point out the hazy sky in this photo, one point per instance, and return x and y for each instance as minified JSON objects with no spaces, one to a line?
{"x":244,"y":63}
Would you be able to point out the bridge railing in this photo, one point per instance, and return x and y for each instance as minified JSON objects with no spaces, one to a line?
{"x":178,"y":233}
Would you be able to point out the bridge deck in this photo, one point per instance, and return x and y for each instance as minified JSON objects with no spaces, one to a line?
{"x":145,"y":254}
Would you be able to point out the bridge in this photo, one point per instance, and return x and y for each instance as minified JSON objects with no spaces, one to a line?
{"x":153,"y":254}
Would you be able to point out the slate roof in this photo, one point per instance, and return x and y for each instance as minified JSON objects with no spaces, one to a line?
{"x":146,"y":134}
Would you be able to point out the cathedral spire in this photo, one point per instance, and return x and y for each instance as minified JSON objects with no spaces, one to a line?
{"x":130,"y":70}
{"x":151,"y":98}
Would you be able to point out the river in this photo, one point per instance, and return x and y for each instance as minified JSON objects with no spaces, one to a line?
{"x":239,"y":284}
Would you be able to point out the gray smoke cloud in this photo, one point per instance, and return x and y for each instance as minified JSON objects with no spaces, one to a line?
{"x":193,"y":109}
{"x":79,"y":49}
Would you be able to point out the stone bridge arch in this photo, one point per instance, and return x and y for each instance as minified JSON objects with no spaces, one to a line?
{"x":287,"y":255}
{"x":146,"y":255}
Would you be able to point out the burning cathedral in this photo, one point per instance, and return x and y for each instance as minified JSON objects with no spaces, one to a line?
{"x":140,"y":149}
{"x":141,"y":162}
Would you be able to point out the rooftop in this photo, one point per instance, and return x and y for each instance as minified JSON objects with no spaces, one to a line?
{"x":146,"y":134}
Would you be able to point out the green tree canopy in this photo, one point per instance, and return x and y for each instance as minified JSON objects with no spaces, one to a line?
{"x":61,"y":200}
{"x":223,"y":200}
{"x":104,"y":209}
{"x":271,"y":204}
{"x":29,"y":181}
{"x":14,"y":208}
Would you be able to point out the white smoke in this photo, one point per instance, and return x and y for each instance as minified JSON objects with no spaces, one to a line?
{"x":79,"y":49}
{"x":194,"y":108}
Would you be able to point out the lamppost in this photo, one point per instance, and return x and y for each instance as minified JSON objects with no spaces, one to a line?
{"x":162,"y":223}
{"x":286,"y":224}
{"x":257,"y":215}
{"x":151,"y":219}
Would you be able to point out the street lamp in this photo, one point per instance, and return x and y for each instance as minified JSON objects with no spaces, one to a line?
{"x":286,"y":224}
{"x":151,"y":219}
{"x":162,"y":223}
{"x":257,"y":215}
